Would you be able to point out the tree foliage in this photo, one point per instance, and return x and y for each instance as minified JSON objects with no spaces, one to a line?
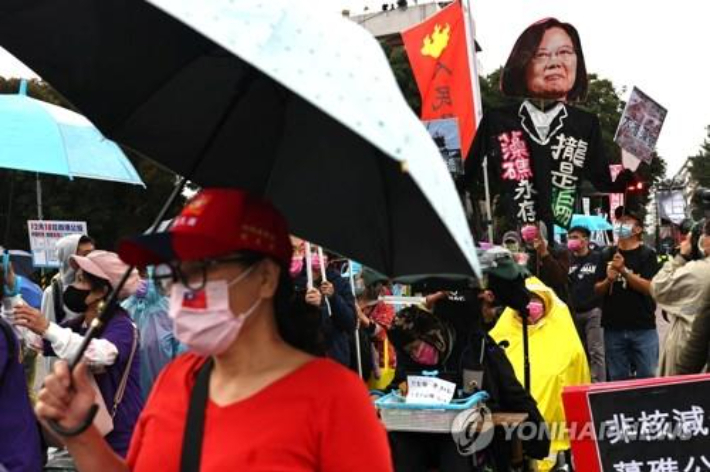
{"x":700,"y":163}
{"x":112,"y":210}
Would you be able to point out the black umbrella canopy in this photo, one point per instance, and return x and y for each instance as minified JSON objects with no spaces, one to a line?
{"x":155,"y":85}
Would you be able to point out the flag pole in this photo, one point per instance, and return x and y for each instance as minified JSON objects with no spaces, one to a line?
{"x":309,"y":269}
{"x":470,"y":30}
{"x":486,"y":185}
{"x":324,"y":278}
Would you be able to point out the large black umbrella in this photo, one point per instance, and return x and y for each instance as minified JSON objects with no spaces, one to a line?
{"x":285,"y":101}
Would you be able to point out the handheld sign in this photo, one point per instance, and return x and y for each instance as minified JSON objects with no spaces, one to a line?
{"x":44,"y":235}
{"x":641,"y":425}
{"x":640,"y":126}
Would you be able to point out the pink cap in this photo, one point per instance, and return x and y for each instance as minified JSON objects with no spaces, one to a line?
{"x":108,"y":266}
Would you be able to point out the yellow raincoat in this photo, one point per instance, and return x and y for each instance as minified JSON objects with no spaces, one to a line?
{"x":557,"y":359}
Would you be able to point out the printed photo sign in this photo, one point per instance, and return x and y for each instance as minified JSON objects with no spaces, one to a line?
{"x":640,"y":126}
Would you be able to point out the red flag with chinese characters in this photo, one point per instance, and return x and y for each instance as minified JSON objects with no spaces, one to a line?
{"x":438,"y":53}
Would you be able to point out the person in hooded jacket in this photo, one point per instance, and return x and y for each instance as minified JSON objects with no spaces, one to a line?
{"x":473,"y":355}
{"x":553,"y":364}
{"x":149,"y":309}
{"x":52,"y":306}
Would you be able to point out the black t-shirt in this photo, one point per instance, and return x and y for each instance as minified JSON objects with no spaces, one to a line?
{"x":624,"y":307}
{"x":582,"y":277}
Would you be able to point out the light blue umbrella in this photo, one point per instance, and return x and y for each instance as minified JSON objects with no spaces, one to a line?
{"x":37,"y":136}
{"x":591,"y":222}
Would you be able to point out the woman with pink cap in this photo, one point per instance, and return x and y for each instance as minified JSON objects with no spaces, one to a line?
{"x":250,"y":394}
{"x":111,"y":358}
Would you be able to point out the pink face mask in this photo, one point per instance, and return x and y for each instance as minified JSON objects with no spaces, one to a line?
{"x":574,"y":244}
{"x":203,"y":320}
{"x":535,"y":311}
{"x":316,"y":262}
{"x":296,"y":266}
{"x":529,"y":233}
{"x":425,"y":354}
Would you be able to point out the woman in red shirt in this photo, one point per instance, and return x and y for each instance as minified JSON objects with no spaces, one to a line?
{"x":252,"y":396}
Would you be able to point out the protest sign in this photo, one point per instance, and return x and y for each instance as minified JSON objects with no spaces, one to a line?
{"x":44,"y":235}
{"x":671,"y":205}
{"x":642,"y":426}
{"x":640,"y":126}
{"x":429,"y":390}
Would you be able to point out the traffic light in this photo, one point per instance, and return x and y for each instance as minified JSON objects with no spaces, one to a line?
{"x":636,"y":188}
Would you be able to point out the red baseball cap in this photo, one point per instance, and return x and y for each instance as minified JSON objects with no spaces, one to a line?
{"x":216,"y":222}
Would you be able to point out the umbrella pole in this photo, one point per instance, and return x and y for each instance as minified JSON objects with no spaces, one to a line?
{"x":489,"y":215}
{"x":40,"y":215}
{"x":526,"y":351}
{"x":325,"y":278}
{"x":8,"y":219}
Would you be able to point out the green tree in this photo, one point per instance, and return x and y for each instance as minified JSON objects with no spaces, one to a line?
{"x":112,"y":210}
{"x":700,"y":163}
{"x":397,"y":57}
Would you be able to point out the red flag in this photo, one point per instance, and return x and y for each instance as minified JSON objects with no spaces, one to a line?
{"x":438,"y":54}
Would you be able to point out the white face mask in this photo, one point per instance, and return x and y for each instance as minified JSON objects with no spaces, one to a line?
{"x":203,"y":320}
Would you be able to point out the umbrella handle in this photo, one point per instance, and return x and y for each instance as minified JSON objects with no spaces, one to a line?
{"x":76,"y":430}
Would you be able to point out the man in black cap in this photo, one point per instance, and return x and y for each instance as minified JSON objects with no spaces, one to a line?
{"x":628,"y":311}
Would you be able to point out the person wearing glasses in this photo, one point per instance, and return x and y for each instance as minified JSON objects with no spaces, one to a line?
{"x":249,"y":395}
{"x":540,"y":148}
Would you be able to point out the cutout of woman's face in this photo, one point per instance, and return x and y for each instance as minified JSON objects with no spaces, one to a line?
{"x":552,"y":71}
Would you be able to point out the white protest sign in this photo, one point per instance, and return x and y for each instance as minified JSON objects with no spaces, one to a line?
{"x":429,"y":390}
{"x":44,"y":235}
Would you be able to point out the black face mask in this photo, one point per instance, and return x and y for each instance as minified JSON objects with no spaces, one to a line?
{"x":75,"y":299}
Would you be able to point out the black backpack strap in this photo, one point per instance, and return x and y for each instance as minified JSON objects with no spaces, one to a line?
{"x":195,"y":424}
{"x":57,"y":299}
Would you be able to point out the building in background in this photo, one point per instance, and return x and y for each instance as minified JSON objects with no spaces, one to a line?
{"x":388,"y":23}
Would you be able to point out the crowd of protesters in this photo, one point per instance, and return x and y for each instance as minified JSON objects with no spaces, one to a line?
{"x":590,"y":313}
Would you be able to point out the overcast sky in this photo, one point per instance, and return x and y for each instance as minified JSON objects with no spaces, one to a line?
{"x":660,"y":47}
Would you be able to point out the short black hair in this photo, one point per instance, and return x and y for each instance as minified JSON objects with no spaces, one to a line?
{"x":513,"y":81}
{"x":630,"y":212}
{"x":86,"y":239}
{"x":580,"y":229}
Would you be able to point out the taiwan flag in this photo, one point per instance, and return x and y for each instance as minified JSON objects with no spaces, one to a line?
{"x":195,"y":300}
{"x":438,"y":52}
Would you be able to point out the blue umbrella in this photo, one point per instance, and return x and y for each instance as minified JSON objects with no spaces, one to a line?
{"x":591,"y":222}
{"x":36,"y":136}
